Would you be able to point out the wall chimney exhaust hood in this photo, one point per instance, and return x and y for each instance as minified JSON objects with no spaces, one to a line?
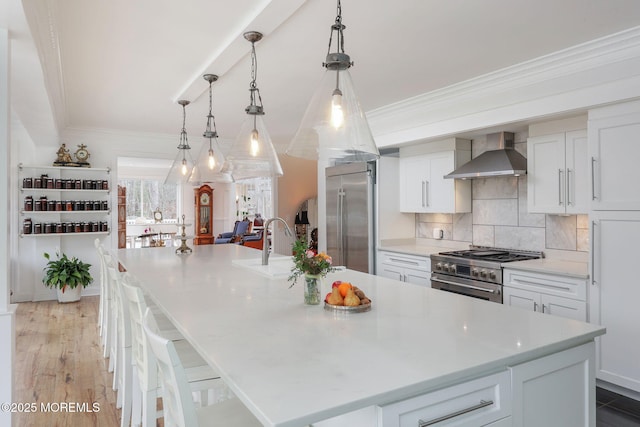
{"x":505,"y":161}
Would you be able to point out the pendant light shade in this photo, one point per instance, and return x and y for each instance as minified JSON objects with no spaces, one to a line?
{"x":252,"y":154}
{"x":210,"y":160}
{"x":183,"y":169}
{"x":334,"y":125}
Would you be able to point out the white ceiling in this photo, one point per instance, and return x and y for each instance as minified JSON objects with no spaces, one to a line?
{"x":122,"y":64}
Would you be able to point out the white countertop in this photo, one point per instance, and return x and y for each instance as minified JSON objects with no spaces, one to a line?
{"x":552,"y":266}
{"x":293,"y":364}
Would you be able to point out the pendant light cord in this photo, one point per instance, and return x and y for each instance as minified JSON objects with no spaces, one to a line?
{"x":337,"y":27}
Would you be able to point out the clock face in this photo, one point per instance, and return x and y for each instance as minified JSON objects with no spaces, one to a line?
{"x":157,"y":215}
{"x":82,"y":154}
{"x":204,"y":199}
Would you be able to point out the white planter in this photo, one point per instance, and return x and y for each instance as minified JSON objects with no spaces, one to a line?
{"x":69,"y":295}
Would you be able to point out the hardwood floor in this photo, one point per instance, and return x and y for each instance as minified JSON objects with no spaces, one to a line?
{"x":59,"y":361}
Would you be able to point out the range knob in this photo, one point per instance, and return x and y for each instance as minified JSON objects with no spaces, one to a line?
{"x":439,"y":266}
{"x":492,"y":275}
{"x":446,"y":268}
{"x":452,"y":269}
{"x":474,"y":272}
{"x":483,"y":273}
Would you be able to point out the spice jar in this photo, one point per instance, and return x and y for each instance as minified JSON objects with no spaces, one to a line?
{"x":68,"y":227}
{"x":59,"y":228}
{"x":28,"y":203}
{"x":77,"y":227}
{"x":105,"y":184}
{"x":27,"y":183}
{"x":27,"y":227}
{"x":51,"y":205}
{"x":58,"y":205}
{"x":37,"y":183}
{"x":95,"y":226}
{"x":43,"y":203}
{"x":48,"y":228}
{"x":37,"y":205}
{"x":104,"y":226}
{"x":37,"y":228}
{"x":86,"y":227}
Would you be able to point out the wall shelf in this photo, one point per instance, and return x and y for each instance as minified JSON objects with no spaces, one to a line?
{"x":84,"y":233}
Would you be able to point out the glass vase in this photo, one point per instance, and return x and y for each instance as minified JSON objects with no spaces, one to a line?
{"x":312,"y":287}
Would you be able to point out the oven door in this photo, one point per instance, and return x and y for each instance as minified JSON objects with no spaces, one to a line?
{"x":472,"y":288}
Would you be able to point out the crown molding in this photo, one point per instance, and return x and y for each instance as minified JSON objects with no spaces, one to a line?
{"x":516,"y":91}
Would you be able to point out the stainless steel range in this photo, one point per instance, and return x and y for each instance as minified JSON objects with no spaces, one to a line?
{"x":475,"y":272}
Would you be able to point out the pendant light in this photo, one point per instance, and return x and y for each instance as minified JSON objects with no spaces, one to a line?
{"x":334,"y":125}
{"x":183,"y":169}
{"x":252,"y":154}
{"x":210,"y":160}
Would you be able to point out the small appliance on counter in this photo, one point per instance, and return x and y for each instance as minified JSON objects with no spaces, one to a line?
{"x":475,"y":272}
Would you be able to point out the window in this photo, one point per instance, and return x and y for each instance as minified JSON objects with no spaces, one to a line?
{"x":145,"y":196}
{"x":254,"y":196}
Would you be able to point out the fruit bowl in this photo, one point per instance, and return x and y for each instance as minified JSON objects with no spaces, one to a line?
{"x":347,"y":309}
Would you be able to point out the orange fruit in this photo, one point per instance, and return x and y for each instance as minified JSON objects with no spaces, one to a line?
{"x":343,"y":288}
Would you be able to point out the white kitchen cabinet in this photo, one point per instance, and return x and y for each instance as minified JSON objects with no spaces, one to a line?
{"x":558,"y":174}
{"x":423,"y":187}
{"x":550,"y":391}
{"x":614,"y":294}
{"x":478,"y":402}
{"x":546,"y":293}
{"x":405,"y":268}
{"x":614,"y":150}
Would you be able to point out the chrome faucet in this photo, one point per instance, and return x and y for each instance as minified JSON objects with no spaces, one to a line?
{"x":265,"y":237}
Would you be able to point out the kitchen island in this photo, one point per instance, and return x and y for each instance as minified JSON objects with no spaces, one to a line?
{"x":293,"y":365}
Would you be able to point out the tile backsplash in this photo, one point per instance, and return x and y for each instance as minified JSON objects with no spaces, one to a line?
{"x":499,"y":218}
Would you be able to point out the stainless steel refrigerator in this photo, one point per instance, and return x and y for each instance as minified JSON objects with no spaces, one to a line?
{"x":350,"y":215}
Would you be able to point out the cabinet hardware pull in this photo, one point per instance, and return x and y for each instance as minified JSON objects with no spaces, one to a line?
{"x":446,"y":282}
{"x":560,"y":187}
{"x":569,"y":187}
{"x":426,"y":192}
{"x":423,"y":192}
{"x":535,"y":306}
{"x":540,"y":284}
{"x":406,"y":261}
{"x":543,"y":308}
{"x":593,"y":258}
{"x":593,"y":178}
{"x":482,"y":404}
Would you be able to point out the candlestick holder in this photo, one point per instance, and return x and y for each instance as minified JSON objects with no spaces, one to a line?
{"x":183,"y":249}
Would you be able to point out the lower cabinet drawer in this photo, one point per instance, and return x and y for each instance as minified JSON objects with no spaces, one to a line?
{"x":475,"y":403}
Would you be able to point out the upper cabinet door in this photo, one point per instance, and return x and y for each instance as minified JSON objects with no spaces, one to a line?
{"x":414,"y":175}
{"x":546,"y":174}
{"x":424,"y":189}
{"x":557,"y":172}
{"x":577,"y":172}
{"x":614,"y":157}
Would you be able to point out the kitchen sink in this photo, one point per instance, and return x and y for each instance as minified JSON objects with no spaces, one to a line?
{"x":279,"y":266}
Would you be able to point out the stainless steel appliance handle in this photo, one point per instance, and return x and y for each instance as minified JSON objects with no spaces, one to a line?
{"x":339,"y":226}
{"x":477,"y":288}
{"x":560,"y":187}
{"x":482,"y":404}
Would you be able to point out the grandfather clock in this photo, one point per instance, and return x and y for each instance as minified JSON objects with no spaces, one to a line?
{"x":204,"y":217}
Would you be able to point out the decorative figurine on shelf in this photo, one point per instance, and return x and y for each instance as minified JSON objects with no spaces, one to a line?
{"x":82,"y":155}
{"x":64,"y":158}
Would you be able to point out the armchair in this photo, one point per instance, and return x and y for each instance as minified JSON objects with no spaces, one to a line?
{"x":240,"y":229}
{"x":253,"y":240}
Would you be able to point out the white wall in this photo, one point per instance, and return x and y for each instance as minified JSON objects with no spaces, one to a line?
{"x":7,"y":327}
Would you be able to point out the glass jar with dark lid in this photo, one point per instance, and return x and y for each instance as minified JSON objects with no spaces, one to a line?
{"x":37,"y":228}
{"x":104,"y":226}
{"x":48,"y":228}
{"x":28,"y":203}
{"x":27,"y":226}
{"x":27,"y":183}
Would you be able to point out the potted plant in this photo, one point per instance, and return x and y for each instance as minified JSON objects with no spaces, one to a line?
{"x":67,"y":275}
